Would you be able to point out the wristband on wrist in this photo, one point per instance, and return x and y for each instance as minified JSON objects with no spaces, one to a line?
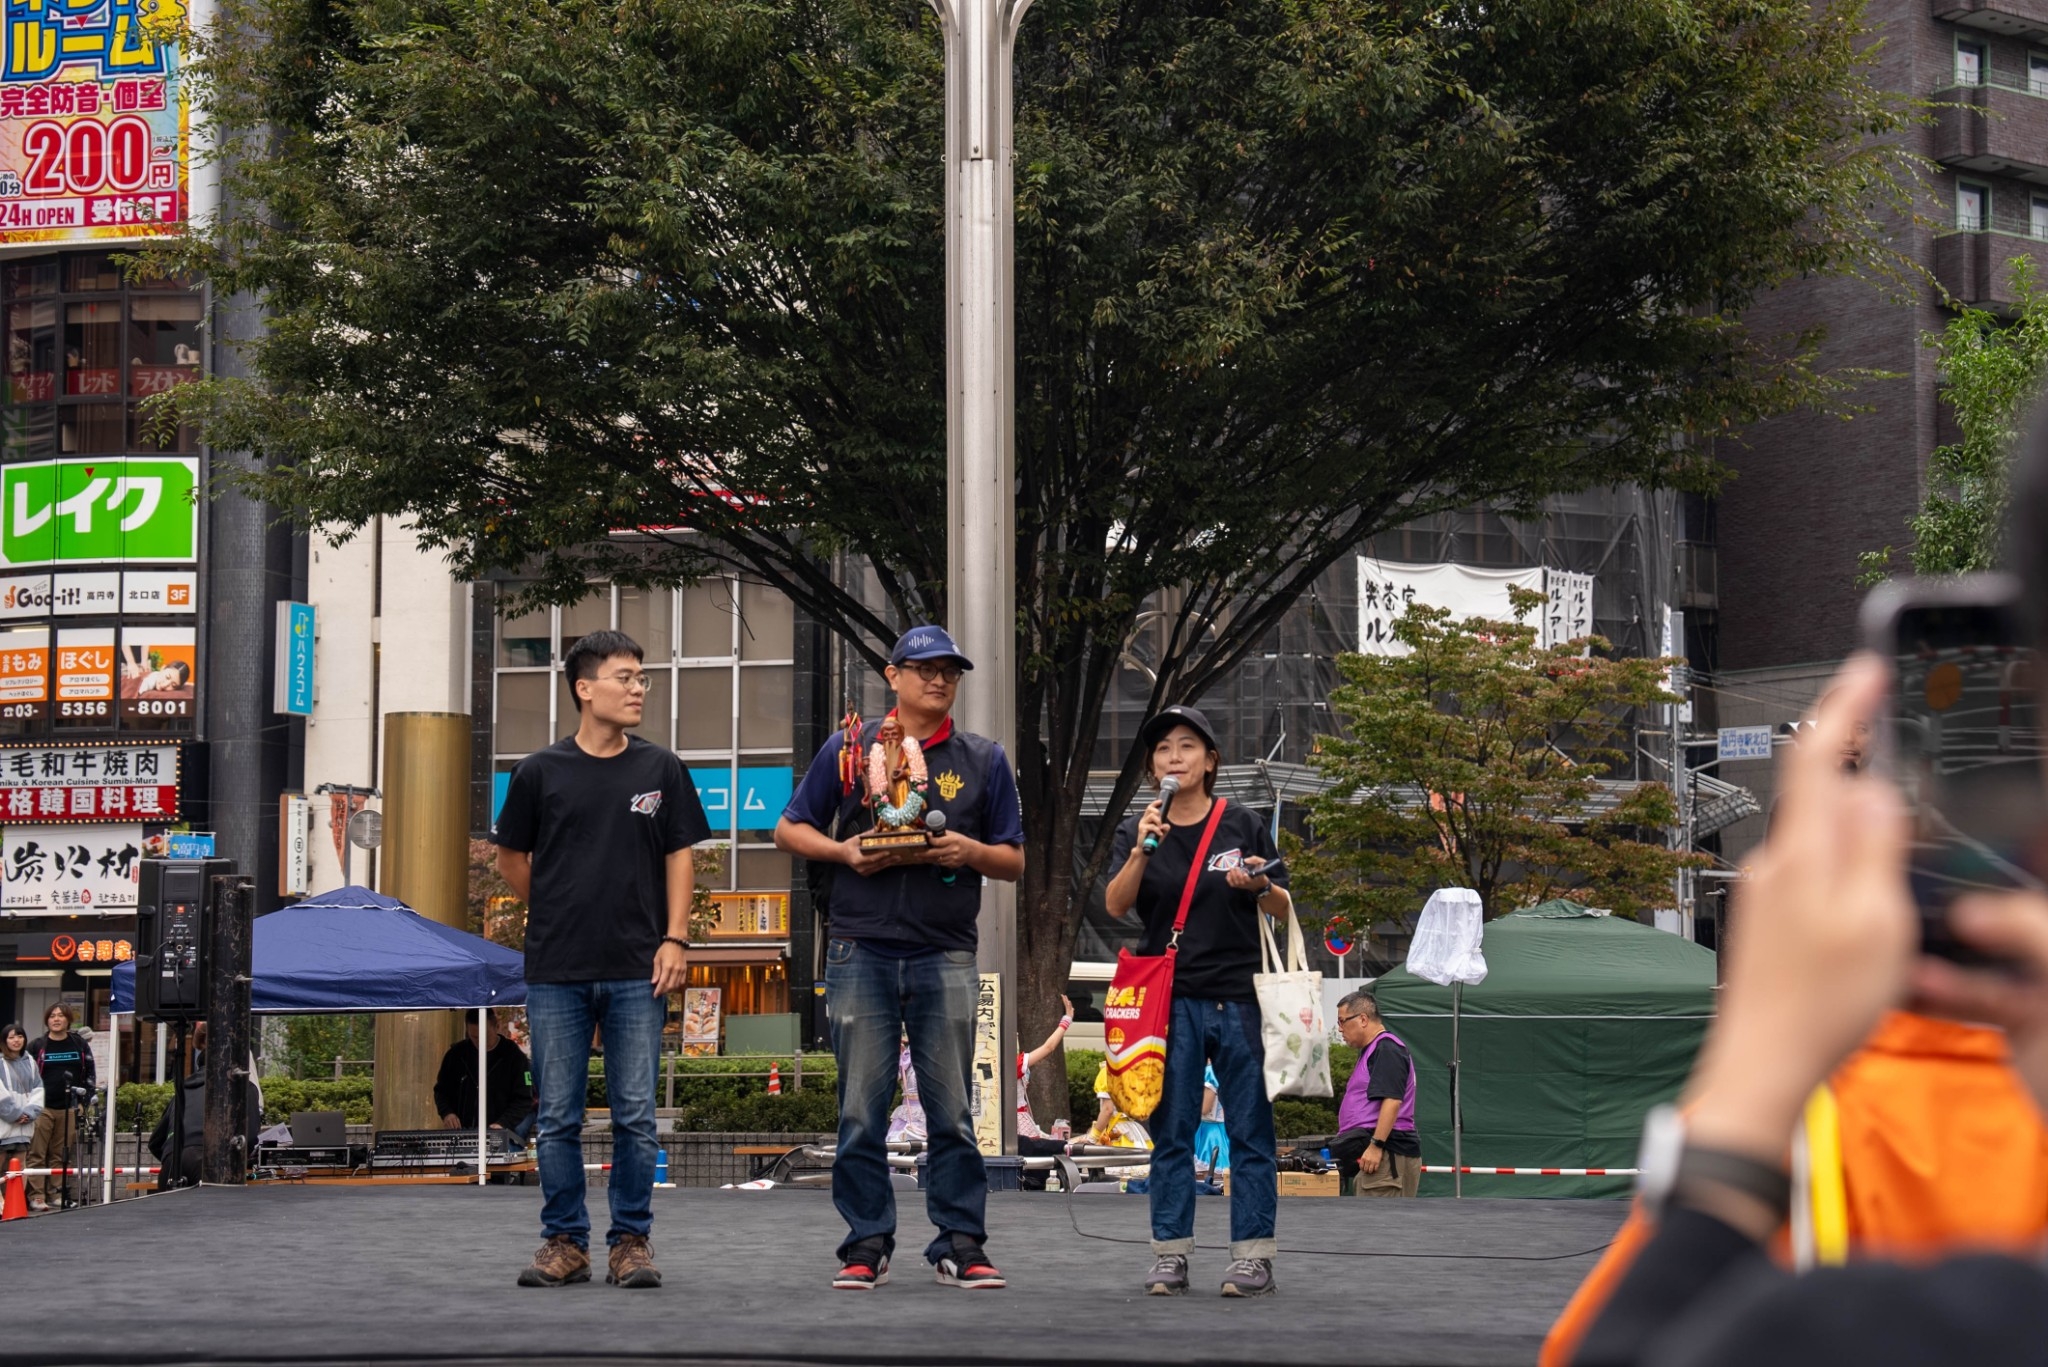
{"x":1066,"y":1022}
{"x":675,"y":940}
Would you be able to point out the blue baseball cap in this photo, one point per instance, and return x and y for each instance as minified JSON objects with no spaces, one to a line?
{"x":927,"y":643}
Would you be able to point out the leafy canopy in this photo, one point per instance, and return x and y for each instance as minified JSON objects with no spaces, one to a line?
{"x":1474,"y":760}
{"x":1992,"y":369}
{"x":1288,"y":273}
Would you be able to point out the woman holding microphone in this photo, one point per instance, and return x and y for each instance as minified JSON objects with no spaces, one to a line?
{"x":1215,"y":1011}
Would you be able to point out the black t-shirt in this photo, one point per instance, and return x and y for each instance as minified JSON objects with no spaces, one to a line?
{"x":508,"y":1088}
{"x":1219,"y":946}
{"x":65,"y":1063}
{"x":1389,"y":1078}
{"x":599,"y":831}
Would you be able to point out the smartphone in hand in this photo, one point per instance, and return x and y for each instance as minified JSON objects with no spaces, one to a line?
{"x":1961,"y":736}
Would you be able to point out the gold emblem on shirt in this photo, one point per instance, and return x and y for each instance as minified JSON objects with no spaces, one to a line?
{"x":950,"y":785}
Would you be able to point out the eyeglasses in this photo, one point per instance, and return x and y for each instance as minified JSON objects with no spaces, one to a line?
{"x":929,"y":670}
{"x":1346,"y":1020}
{"x":632,"y":683}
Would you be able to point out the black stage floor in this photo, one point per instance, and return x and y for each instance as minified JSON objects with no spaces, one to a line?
{"x":329,"y":1275}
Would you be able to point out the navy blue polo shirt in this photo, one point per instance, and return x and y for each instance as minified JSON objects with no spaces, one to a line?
{"x":918,"y":906}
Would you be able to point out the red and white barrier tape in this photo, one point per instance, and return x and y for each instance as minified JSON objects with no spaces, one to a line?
{"x":1535,"y":1172}
{"x":72,"y":1172}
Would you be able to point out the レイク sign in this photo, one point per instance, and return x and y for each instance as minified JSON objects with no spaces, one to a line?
{"x":98,"y":510}
{"x":95,"y":129}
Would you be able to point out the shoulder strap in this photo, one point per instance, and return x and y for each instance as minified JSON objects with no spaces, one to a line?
{"x":1187,"y":893}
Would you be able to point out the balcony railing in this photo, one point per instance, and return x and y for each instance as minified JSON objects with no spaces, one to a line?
{"x":1976,"y":267}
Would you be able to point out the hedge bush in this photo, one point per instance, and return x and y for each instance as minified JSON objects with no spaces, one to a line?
{"x":281,"y":1096}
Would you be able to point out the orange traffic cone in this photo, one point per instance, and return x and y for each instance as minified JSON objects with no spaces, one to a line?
{"x":775,"y":1079}
{"x":15,"y":1205}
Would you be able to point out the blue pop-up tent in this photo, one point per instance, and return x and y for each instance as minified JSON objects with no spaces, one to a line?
{"x":357,"y":950}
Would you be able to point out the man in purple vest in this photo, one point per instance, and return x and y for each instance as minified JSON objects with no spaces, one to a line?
{"x":1376,"y":1148}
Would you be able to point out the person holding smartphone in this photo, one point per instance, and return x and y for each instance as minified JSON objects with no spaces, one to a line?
{"x":1159,"y":858}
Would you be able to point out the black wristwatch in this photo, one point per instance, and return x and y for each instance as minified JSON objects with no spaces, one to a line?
{"x":1668,"y":1164}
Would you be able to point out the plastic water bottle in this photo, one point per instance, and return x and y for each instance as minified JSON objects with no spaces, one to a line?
{"x":661,"y":1167}
{"x":1326,"y":1156}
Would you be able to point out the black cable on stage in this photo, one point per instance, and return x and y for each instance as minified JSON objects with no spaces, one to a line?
{"x":1075,"y":1221}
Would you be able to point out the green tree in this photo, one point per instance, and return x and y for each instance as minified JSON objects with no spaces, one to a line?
{"x":1474,"y":760}
{"x":1991,"y":370}
{"x":1287,"y":274}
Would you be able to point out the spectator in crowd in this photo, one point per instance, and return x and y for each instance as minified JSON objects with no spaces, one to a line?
{"x":1207,"y":857}
{"x":180,"y":1154}
{"x":1827,"y":946}
{"x":1212,"y":1136}
{"x":21,"y":1095}
{"x":508,"y":1081}
{"x":1033,"y":1142}
{"x":65,"y":1061}
{"x":1376,"y":1148}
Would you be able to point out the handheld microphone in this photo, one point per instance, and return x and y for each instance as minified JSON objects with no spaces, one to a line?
{"x":935,"y":822}
{"x":1168,"y":786}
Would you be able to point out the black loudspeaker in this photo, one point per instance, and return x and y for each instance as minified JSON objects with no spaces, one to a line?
{"x":173,"y":927}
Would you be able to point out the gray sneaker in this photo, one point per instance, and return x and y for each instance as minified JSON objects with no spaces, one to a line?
{"x":1249,"y":1277}
{"x":1168,"y":1277}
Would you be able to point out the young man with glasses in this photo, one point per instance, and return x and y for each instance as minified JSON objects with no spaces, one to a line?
{"x":900,"y":961}
{"x":1376,"y":1148}
{"x":595,"y":836}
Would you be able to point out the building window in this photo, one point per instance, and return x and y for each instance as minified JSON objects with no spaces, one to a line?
{"x":2037,"y":74}
{"x":2037,"y":218}
{"x":1973,"y":207}
{"x":1971,"y":63}
{"x":720,"y":666}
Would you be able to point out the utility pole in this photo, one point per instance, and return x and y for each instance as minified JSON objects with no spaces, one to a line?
{"x":981,"y":466}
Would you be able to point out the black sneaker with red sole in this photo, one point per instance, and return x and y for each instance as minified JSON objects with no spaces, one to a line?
{"x":864,"y":1268}
{"x":969,"y":1268}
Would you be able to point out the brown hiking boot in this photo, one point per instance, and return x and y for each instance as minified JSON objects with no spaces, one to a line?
{"x":557,"y":1262}
{"x":632,"y":1263}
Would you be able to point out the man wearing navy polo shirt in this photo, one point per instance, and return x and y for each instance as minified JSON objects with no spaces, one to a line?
{"x":900,"y":963}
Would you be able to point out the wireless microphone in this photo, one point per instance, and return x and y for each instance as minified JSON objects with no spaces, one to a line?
{"x":1168,"y":786}
{"x":935,"y":822}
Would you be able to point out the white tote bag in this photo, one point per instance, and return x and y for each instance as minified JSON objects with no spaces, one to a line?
{"x":1291,"y":1016}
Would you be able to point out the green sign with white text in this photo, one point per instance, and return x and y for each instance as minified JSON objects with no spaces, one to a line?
{"x":94,"y":510}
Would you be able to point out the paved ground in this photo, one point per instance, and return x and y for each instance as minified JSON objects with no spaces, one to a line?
{"x":325,"y":1275}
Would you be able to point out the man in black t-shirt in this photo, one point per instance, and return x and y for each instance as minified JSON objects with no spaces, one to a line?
{"x":595,"y":835}
{"x":1377,"y":1150}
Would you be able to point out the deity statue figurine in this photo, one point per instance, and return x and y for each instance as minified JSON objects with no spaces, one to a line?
{"x":896,"y":789}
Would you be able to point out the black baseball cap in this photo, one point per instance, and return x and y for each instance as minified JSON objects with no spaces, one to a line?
{"x":1158,"y":725}
{"x":927,"y":643}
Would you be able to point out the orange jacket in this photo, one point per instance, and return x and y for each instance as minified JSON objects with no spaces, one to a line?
{"x":1941,"y":1147}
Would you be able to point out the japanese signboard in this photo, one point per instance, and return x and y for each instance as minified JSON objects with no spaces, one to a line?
{"x":750,"y":915}
{"x":96,"y":510}
{"x":159,"y":674}
{"x":65,"y":948}
{"x":701,"y":1006}
{"x":139,"y":592}
{"x":1734,"y":743}
{"x":1386,"y":589}
{"x":170,"y":592}
{"x":85,"y":676}
{"x":72,"y":869}
{"x":1568,"y":616}
{"x":47,"y":784}
{"x":987,"y":1095}
{"x":292,"y":678}
{"x":25,"y":673}
{"x":294,"y":845}
{"x":94,"y":123}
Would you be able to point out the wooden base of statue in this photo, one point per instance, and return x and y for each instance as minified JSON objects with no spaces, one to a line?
{"x":905,"y":838}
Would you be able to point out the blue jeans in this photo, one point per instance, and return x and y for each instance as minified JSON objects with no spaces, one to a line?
{"x":874,"y":1001}
{"x":1226,"y":1036}
{"x":560,"y":1018}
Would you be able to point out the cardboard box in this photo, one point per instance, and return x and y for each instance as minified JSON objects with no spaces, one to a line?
{"x":1308,"y":1184}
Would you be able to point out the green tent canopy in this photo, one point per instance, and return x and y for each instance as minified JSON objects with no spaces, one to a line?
{"x":1585,"y":1021}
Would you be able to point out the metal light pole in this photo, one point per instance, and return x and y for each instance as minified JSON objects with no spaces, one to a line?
{"x":981,"y":465}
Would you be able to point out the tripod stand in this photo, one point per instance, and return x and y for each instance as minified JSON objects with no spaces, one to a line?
{"x":85,"y":1121}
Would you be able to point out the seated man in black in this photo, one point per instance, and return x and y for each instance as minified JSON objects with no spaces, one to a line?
{"x":508,"y":1083}
{"x":180,"y":1156}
